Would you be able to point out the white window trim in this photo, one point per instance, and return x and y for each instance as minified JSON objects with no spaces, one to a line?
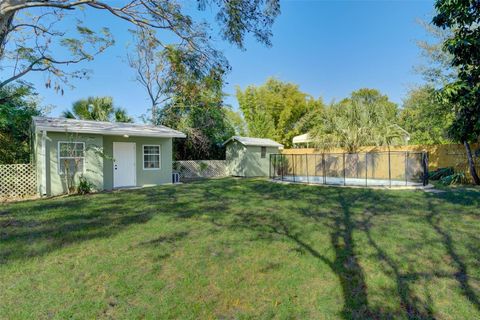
{"x":159,"y":156}
{"x":58,"y":156}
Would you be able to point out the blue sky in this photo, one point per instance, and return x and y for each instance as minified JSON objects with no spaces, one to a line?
{"x":329,"y":48}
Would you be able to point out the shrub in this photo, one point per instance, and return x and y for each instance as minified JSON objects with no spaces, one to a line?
{"x":456,"y":178}
{"x":84,"y":186}
{"x":440,"y":173}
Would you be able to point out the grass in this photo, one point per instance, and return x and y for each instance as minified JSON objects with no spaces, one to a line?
{"x":243,"y":249}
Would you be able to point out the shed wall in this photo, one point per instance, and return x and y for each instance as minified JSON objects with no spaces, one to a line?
{"x":246,"y":161}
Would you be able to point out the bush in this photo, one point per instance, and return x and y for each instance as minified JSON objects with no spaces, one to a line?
{"x":440,"y":173}
{"x":84,"y":186}
{"x":456,"y":178}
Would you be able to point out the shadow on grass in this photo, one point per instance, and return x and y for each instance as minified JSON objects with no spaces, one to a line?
{"x":342,"y":225}
{"x":38,"y":228}
{"x":461,"y":274}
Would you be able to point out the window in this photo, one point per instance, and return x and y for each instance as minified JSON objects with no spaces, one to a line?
{"x":264,"y":152}
{"x":151,"y":157}
{"x":71,"y":157}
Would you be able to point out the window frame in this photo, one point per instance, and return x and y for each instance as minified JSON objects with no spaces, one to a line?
{"x":60,"y":157}
{"x":159,"y":156}
{"x":263,"y":155}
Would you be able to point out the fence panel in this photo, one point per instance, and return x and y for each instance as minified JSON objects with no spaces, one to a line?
{"x":17,"y":180}
{"x":198,"y":169}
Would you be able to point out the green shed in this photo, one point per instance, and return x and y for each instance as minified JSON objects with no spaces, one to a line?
{"x":109,"y":155}
{"x":250,"y":157}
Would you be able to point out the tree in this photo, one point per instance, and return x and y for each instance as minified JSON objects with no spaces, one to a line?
{"x":423,"y":114}
{"x":18,"y":104}
{"x":425,"y":117}
{"x":366,"y":118}
{"x":273,"y":109}
{"x":236,"y":121}
{"x":197,"y":110}
{"x":30,"y":42}
{"x":98,"y":109}
{"x":463,"y":94}
{"x":150,"y":64}
{"x":436,"y":67}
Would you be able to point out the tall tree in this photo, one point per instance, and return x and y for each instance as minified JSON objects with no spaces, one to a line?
{"x":274,"y":109}
{"x":98,"y":109}
{"x":30,"y":40}
{"x":366,"y":118}
{"x":425,"y":117}
{"x":462,"y":17}
{"x":436,"y":64}
{"x":423,"y":114}
{"x":18,"y":104}
{"x":236,"y":121}
{"x":197,"y":110}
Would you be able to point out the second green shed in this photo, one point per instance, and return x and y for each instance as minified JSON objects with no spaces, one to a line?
{"x":250,"y":157}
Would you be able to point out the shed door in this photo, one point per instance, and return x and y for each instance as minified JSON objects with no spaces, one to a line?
{"x":124,"y":167}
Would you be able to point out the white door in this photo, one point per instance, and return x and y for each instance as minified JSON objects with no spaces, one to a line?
{"x":124,"y":167}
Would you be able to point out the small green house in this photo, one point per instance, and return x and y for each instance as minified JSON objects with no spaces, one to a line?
{"x":250,"y":157}
{"x":109,"y":155}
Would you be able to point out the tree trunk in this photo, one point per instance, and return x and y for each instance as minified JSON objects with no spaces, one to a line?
{"x":471,"y":163}
{"x":5,"y":24}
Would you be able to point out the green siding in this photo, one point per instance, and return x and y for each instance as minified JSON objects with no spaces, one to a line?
{"x":235,"y":152}
{"x":93,"y":161}
{"x":144,"y":177}
{"x":246,"y":161}
{"x":98,"y":168}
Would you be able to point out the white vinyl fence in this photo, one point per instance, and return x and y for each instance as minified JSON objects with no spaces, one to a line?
{"x":198,"y":169}
{"x":17,"y":180}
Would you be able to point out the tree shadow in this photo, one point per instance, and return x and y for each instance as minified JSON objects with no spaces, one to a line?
{"x":461,"y":275}
{"x":414,"y":308}
{"x":344,"y":265}
{"x":35,"y":229}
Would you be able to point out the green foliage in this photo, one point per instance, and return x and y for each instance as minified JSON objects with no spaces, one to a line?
{"x":237,"y":122}
{"x":425,"y":117}
{"x":462,"y":18}
{"x":273,"y":109}
{"x":18,"y":105}
{"x":367,"y":118}
{"x":98,"y":109}
{"x":440,"y":173}
{"x":84,"y":186}
{"x":28,"y":37}
{"x":463,"y":94}
{"x":196,"y":109}
{"x":454,"y":179}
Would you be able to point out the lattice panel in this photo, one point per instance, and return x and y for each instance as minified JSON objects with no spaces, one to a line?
{"x":17,"y":180}
{"x":196,"y":169}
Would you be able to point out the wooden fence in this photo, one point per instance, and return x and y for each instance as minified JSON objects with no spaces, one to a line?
{"x":17,"y":180}
{"x":439,"y":156}
{"x":198,"y":169}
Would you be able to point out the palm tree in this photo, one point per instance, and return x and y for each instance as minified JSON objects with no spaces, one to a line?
{"x":97,"y":108}
{"x":366,"y":119}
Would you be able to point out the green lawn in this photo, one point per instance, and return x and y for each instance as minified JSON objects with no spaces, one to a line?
{"x":243,"y":249}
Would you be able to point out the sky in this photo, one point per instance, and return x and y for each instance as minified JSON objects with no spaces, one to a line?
{"x":328,"y":48}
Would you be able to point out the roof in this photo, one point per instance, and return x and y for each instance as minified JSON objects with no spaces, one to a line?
{"x":104,"y":128}
{"x":248,"y":141}
{"x":303,"y":138}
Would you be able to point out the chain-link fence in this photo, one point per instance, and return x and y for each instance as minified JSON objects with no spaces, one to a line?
{"x":379,"y":169}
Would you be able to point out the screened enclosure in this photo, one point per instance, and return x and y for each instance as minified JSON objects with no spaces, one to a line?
{"x":375,"y":169}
